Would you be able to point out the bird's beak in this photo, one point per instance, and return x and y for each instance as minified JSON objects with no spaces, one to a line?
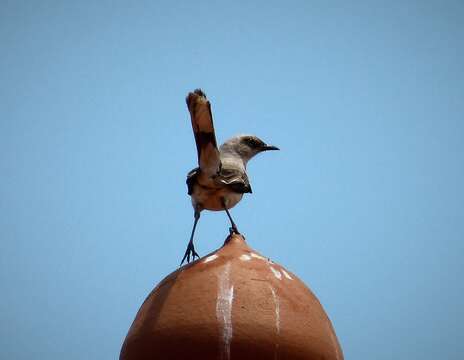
{"x":269,"y":147}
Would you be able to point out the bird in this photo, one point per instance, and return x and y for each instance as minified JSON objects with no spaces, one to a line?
{"x":220,"y":180}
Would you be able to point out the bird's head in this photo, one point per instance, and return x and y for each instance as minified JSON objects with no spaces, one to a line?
{"x":246,"y":146}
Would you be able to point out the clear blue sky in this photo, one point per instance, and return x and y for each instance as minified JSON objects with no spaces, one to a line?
{"x":365,"y":201}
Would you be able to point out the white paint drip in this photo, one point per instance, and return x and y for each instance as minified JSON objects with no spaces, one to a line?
{"x":286,"y":274}
{"x":277,"y":319}
{"x":277,"y":309}
{"x":256,"y":256}
{"x":224,"y":310}
{"x":210,"y":258}
{"x":277,"y":273}
{"x":245,"y":257}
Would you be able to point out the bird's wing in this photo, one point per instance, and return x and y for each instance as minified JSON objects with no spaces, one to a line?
{"x":235,"y":179}
{"x":191,"y":178}
{"x":203,"y":129}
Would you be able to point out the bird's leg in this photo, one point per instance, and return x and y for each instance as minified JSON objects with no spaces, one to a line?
{"x":233,"y":229}
{"x":190,"y":251}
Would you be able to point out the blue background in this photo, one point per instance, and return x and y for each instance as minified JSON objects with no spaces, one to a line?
{"x":364,"y":202}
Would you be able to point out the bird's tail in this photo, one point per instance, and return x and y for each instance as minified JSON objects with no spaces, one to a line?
{"x":203,"y":130}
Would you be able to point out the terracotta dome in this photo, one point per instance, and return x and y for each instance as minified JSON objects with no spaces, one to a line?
{"x":231,"y":304}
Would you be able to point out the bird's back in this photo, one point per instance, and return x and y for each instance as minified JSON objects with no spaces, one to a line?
{"x":230,"y":183}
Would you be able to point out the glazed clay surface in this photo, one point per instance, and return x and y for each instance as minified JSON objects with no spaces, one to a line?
{"x":231,"y":304}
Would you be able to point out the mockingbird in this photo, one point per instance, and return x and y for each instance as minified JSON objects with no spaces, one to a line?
{"x":220,"y":180}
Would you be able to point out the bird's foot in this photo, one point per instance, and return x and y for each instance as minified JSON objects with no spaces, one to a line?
{"x":189,"y":252}
{"x":233,"y":230}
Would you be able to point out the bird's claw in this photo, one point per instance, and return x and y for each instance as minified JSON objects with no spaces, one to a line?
{"x":233,"y":230}
{"x":189,"y":252}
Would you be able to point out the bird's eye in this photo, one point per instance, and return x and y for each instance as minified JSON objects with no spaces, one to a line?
{"x":252,"y":142}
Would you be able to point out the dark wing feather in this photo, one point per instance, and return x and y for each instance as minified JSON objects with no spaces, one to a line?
{"x":191,"y":179}
{"x":235,"y":179}
{"x":203,"y":130}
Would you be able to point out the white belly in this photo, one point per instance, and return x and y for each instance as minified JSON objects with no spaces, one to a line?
{"x":211,"y":199}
